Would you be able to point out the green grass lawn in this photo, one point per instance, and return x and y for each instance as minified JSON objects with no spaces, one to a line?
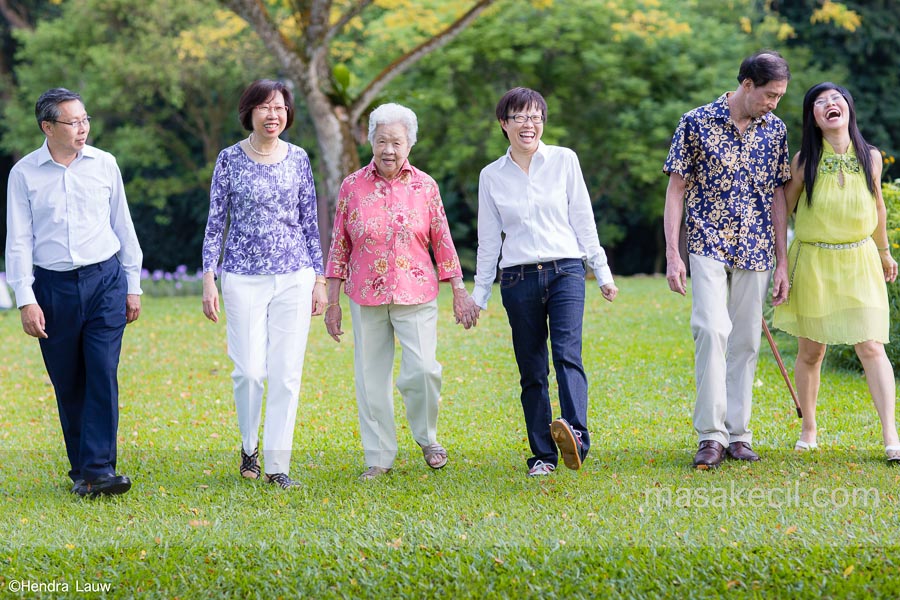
{"x":635,"y":522}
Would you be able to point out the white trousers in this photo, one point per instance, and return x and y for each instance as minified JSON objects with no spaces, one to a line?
{"x":419,"y":382}
{"x":268,"y":320}
{"x":726,"y":321}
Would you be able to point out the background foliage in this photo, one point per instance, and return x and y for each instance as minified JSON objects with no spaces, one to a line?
{"x":162,"y":81}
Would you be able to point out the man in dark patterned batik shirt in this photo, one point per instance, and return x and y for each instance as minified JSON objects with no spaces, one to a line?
{"x":727,"y":166}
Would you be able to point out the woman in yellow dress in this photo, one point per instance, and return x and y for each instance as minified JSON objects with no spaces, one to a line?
{"x":840,"y":258}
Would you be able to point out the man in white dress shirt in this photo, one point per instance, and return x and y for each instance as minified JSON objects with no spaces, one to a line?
{"x":73,"y":261}
{"x":535,"y":216}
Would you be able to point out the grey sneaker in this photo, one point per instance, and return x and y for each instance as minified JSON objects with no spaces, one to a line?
{"x":282,"y":480}
{"x":540,"y":469}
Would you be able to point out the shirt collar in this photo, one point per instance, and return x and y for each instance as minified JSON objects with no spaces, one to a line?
{"x":372,"y":171}
{"x":723,"y":112}
{"x":43,"y":154}
{"x":541,"y":151}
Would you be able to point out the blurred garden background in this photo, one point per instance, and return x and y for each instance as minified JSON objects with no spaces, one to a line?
{"x":162,"y":79}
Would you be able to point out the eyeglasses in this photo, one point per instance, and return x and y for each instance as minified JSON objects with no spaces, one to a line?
{"x":85,"y":122}
{"x":834,"y":98}
{"x":264,"y":109}
{"x":520,"y":118}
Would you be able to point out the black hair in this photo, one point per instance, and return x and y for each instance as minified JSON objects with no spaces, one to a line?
{"x":811,"y":144}
{"x":257,"y":93}
{"x":516,"y":99}
{"x":47,"y":106}
{"x":763,"y":67}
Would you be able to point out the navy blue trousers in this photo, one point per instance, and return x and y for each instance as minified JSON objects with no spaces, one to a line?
{"x":84,"y":311}
{"x":540,"y":299}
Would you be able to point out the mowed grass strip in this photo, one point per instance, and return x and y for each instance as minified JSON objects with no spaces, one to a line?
{"x":635,"y":522}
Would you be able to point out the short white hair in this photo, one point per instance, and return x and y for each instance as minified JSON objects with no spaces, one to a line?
{"x":390,"y":113}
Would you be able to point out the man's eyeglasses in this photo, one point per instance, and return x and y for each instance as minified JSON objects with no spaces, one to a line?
{"x":264,"y":109}
{"x":520,"y":118}
{"x":834,"y":98}
{"x":85,"y":122}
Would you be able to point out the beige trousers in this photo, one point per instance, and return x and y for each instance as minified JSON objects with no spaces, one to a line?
{"x":419,"y":381}
{"x":726,"y":321}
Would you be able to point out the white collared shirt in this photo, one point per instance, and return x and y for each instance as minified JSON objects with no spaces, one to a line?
{"x":544,"y":215}
{"x":61,"y":218}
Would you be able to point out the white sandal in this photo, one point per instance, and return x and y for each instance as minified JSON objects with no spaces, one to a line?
{"x":893,"y":454}
{"x":802,"y":446}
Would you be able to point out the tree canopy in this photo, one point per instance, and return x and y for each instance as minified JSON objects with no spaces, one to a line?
{"x":162,"y":80}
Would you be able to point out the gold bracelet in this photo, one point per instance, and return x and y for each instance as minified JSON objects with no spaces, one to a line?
{"x":320,"y":279}
{"x":883,"y":249}
{"x":330,"y":304}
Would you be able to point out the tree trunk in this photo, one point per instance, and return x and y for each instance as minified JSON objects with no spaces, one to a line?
{"x":310,"y":68}
{"x":339,"y":156}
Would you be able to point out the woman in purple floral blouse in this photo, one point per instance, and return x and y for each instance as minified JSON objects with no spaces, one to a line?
{"x":272,"y":276}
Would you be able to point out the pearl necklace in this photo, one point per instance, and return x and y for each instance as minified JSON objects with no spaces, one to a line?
{"x":250,"y":142}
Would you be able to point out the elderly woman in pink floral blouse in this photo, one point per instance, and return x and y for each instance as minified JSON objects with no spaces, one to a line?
{"x":388,"y":214}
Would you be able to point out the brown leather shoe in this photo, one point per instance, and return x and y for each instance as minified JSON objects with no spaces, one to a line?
{"x":741,"y":451}
{"x":709,"y":455}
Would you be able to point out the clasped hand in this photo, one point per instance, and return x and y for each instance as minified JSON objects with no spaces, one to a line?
{"x":465,"y":310}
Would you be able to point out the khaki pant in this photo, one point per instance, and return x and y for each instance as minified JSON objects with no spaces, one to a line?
{"x":419,"y":382}
{"x":726,"y":321}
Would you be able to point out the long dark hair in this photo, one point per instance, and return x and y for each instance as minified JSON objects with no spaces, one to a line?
{"x":811,"y":146}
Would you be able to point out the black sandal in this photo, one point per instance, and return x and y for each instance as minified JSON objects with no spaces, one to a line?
{"x":250,"y":464}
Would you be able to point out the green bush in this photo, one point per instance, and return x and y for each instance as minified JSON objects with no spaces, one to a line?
{"x":844,"y":356}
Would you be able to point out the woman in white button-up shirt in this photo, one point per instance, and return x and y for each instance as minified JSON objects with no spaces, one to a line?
{"x":535,"y":217}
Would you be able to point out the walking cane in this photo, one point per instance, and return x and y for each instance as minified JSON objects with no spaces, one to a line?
{"x":784,"y":372}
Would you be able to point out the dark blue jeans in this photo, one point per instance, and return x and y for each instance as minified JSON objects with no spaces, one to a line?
{"x":541,"y":298}
{"x":85,"y":319}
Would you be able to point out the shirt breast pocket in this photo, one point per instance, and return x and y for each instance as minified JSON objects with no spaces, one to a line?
{"x":93,"y":203}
